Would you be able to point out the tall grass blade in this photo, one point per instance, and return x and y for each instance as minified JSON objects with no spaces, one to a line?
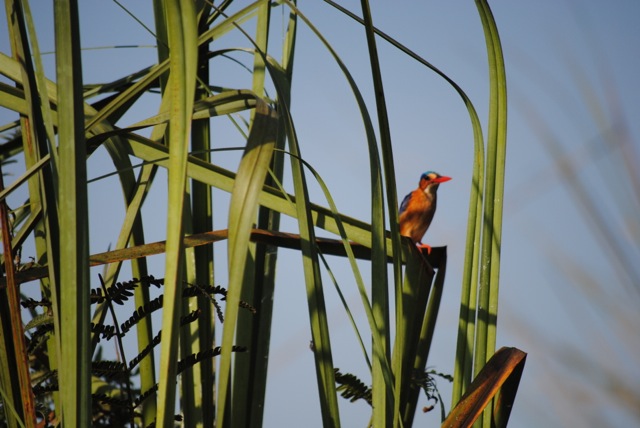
{"x":266,"y":257}
{"x":242,"y":214}
{"x":199,"y":396}
{"x":182,"y":35}
{"x":485,"y":335}
{"x":343,"y":226}
{"x":494,"y":191}
{"x":463,"y":368}
{"x":384,"y":402}
{"x":479,"y":303}
{"x":315,"y":296}
{"x":254,"y":330}
{"x":315,"y":293}
{"x":73,"y":288}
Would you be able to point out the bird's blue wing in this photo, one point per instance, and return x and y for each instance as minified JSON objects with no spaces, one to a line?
{"x":404,"y":204}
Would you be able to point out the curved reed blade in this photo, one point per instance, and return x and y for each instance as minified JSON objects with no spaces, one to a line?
{"x":250,"y":370}
{"x":355,"y":233}
{"x":464,"y":358}
{"x":385,"y":403}
{"x":499,"y":378}
{"x":242,"y":214}
{"x":494,"y":192}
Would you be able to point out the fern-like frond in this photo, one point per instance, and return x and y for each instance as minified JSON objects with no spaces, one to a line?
{"x":193,"y":359}
{"x":352,"y":388}
{"x":109,"y":369}
{"x":154,"y":342}
{"x":140,"y":313}
{"x":105,"y":331}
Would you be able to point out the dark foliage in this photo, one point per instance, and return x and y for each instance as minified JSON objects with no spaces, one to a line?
{"x":116,"y":402}
{"x":140,"y":313}
{"x":352,"y":388}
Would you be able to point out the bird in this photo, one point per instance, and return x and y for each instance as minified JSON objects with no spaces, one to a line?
{"x":418,"y":207}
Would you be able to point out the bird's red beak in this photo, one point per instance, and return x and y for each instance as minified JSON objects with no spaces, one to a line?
{"x":441,"y":179}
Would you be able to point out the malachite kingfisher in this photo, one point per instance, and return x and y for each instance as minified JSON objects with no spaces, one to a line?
{"x":418,"y":207}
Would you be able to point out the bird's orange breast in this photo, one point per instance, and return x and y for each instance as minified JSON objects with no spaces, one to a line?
{"x":417,"y":215}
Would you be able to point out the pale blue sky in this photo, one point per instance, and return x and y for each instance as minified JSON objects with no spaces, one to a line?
{"x":572,"y":70}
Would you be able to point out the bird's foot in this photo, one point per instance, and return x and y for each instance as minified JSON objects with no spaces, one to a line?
{"x":422,"y":246}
